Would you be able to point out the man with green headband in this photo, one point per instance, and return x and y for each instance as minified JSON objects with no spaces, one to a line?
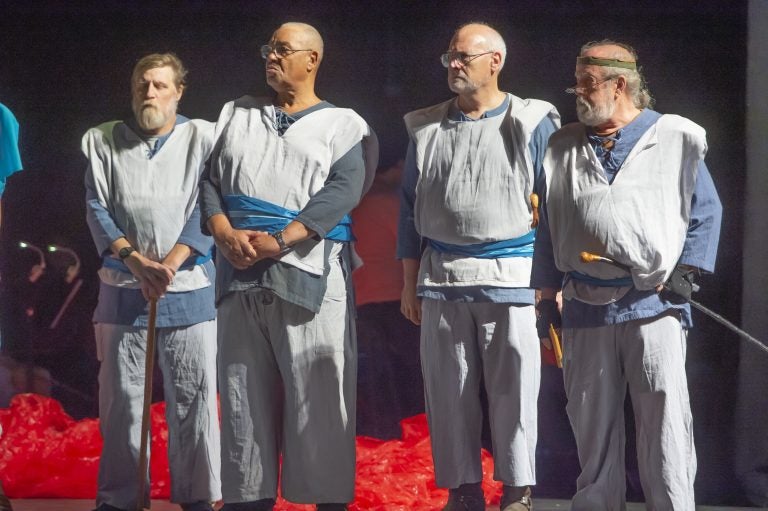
{"x":629,"y":185}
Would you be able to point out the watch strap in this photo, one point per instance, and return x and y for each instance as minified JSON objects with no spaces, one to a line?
{"x":124,"y":252}
{"x":280,"y":241}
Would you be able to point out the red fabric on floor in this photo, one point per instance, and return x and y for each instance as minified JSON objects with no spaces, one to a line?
{"x":44,"y":453}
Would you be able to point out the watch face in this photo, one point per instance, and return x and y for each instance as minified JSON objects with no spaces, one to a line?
{"x":125,"y":252}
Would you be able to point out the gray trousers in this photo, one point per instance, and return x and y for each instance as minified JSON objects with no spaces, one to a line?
{"x":460,"y":344}
{"x":287,"y":382}
{"x":599,"y":363}
{"x":187,"y":359}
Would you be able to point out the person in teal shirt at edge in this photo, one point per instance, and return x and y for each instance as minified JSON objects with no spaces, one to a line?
{"x":10,"y":162}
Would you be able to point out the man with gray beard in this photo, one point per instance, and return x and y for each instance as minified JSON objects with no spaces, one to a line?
{"x":630,"y":185}
{"x":141,"y":206}
{"x":469,"y":172}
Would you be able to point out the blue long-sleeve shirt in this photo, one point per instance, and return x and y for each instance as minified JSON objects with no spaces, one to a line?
{"x":699,"y":250}
{"x":409,"y":243}
{"x":125,"y":306}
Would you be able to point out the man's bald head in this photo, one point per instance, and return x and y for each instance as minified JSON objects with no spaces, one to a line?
{"x":483,"y":36}
{"x":626,"y":67}
{"x":305,"y":34}
{"x":293,"y":59}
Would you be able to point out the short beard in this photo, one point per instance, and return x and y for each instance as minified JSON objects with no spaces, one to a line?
{"x":460,"y":85}
{"x":151,"y":118}
{"x":594,"y":115}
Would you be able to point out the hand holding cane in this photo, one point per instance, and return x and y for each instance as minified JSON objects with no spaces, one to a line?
{"x":146,"y":418}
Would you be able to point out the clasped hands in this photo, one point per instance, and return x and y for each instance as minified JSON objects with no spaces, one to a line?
{"x":243,"y":247}
{"x":155,"y":277}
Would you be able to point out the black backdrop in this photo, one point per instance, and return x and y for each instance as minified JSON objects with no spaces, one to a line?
{"x":65,"y":66}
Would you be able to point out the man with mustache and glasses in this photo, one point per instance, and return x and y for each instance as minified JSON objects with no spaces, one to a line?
{"x":630,"y":185}
{"x":282,"y":179}
{"x":469,"y":172}
{"x":141,"y":204}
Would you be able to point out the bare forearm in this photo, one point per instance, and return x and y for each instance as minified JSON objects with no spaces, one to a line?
{"x":410,"y":271}
{"x":296,"y":232}
{"x":176,"y":257}
{"x":219,"y":225}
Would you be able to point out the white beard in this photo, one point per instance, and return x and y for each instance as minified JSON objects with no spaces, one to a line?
{"x":150,"y":117}
{"x":594,"y":115}
{"x":462,"y":85}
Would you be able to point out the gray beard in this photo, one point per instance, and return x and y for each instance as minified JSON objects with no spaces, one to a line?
{"x":594,"y":115}
{"x":462,"y":86}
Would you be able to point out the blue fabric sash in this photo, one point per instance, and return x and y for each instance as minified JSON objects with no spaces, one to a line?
{"x":516,"y":247}
{"x":116,"y":264}
{"x":594,"y":281}
{"x":250,"y":213}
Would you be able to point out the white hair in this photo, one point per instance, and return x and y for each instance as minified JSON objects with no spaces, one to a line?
{"x":636,"y":85}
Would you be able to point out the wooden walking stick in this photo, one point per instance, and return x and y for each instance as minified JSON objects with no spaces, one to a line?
{"x":146,"y":419}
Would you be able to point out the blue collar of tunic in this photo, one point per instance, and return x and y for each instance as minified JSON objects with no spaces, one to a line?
{"x":161,"y":140}
{"x":455,"y":113}
{"x":283,"y":120}
{"x":624,"y":140}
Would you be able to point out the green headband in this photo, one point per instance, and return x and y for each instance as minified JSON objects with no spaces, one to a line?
{"x":595,"y":61}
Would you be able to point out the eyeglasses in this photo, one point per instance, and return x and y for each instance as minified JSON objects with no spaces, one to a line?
{"x":281,"y":51}
{"x":463,"y":58}
{"x":583,"y":89}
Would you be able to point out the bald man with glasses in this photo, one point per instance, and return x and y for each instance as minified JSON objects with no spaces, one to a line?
{"x":282,"y":179}
{"x":470,"y":169}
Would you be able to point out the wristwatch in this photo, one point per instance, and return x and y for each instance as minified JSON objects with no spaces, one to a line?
{"x":124,"y":252}
{"x":280,"y":241}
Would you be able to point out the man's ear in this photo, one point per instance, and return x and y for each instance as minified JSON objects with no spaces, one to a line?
{"x":312,"y":60}
{"x":621,"y":84}
{"x":496,"y":61}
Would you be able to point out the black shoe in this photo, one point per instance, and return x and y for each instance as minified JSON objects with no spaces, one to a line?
{"x":107,"y":507}
{"x":5,"y":504}
{"x":464,"y":503}
{"x":254,"y":505}
{"x":202,"y":505}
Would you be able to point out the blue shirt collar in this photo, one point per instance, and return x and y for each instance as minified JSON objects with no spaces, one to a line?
{"x":455,"y":113}
{"x":161,"y":140}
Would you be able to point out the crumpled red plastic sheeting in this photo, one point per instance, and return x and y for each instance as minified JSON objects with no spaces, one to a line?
{"x":45,"y":453}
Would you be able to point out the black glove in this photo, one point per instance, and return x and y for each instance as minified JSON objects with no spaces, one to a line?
{"x":547,"y":314}
{"x":681,"y":283}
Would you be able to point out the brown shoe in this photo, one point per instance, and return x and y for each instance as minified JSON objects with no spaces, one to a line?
{"x":524,"y":503}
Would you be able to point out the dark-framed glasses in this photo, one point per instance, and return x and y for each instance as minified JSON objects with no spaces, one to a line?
{"x":281,"y":51}
{"x":446,"y":59}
